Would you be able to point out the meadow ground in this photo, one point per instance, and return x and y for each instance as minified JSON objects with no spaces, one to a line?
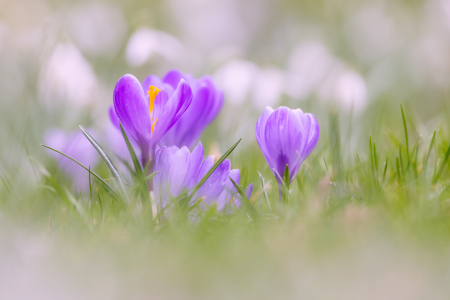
{"x":370,"y":224}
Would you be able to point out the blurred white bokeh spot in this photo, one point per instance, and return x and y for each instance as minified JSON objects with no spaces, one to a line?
{"x":373,"y":32}
{"x":351,"y":90}
{"x":308,"y":65}
{"x":433,"y":53}
{"x":243,"y":80}
{"x":445,"y":8}
{"x":346,"y":88}
{"x":145,"y":42}
{"x":67,"y":77}
{"x":97,"y":28}
{"x":211,"y":24}
{"x":268,"y":87}
{"x":236,"y":78}
{"x":315,"y":71}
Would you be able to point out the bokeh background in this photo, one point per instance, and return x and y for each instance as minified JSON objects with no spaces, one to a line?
{"x":60,"y":59}
{"x":355,"y":59}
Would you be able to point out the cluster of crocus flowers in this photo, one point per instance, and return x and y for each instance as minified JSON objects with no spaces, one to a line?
{"x":286,"y":137}
{"x":166,"y":117}
{"x":181,"y":169}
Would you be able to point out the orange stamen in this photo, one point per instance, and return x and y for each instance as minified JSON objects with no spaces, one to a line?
{"x":152,"y":93}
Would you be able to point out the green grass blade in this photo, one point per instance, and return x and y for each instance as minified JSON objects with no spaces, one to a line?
{"x":148,"y":177}
{"x":372,"y":164}
{"x":286,"y":175}
{"x":285,"y":189}
{"x":375,"y":156}
{"x":136,"y":163}
{"x":406,"y":134}
{"x":140,"y":174}
{"x":441,"y":169}
{"x":109,"y":162}
{"x":385,"y":168}
{"x":265,"y":192}
{"x":325,"y":162}
{"x":93,"y":173}
{"x":425,"y":163}
{"x":214,"y":167}
{"x":400,"y":156}
{"x":245,"y":202}
{"x":399,"y":170}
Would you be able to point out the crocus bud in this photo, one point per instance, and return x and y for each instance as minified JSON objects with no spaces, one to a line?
{"x":286,"y":137}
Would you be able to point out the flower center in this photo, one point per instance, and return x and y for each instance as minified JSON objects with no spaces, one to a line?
{"x":152,"y":93}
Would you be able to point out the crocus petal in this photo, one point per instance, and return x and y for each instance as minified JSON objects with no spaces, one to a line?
{"x":206,"y":104}
{"x":181,"y":98}
{"x":260,"y":134}
{"x":195,"y":161}
{"x":312,"y":129}
{"x":132,"y":108}
{"x":213,"y":186}
{"x":161,"y":184}
{"x":155,"y":81}
{"x":168,"y":112}
{"x":248,"y":191}
{"x":179,"y":171}
{"x":284,"y":140}
{"x":173,"y":77}
{"x":113,"y":117}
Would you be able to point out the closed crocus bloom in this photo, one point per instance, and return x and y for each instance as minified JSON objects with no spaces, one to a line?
{"x":176,"y":169}
{"x":286,"y":137}
{"x":206,"y":104}
{"x":149,"y":110}
{"x":77,"y":146}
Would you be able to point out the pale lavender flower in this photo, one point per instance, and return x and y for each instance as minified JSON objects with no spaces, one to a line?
{"x":286,"y":137}
{"x":179,"y":169}
{"x":76,"y":146}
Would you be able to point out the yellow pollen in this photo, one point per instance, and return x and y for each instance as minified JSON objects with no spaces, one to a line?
{"x":152,"y":93}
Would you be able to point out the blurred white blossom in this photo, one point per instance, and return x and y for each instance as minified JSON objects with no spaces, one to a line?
{"x":236,"y":78}
{"x":211,"y":24}
{"x":308,"y":65}
{"x":145,"y":42}
{"x":97,"y":28}
{"x":314,"y":71}
{"x":67,"y":77}
{"x":268,"y":87}
{"x":373,"y":32}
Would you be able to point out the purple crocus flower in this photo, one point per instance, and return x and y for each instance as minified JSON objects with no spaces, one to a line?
{"x":148,"y":116}
{"x":206,"y":104}
{"x":176,"y":169}
{"x":286,"y":137}
{"x":179,"y":169}
{"x":77,"y":146}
